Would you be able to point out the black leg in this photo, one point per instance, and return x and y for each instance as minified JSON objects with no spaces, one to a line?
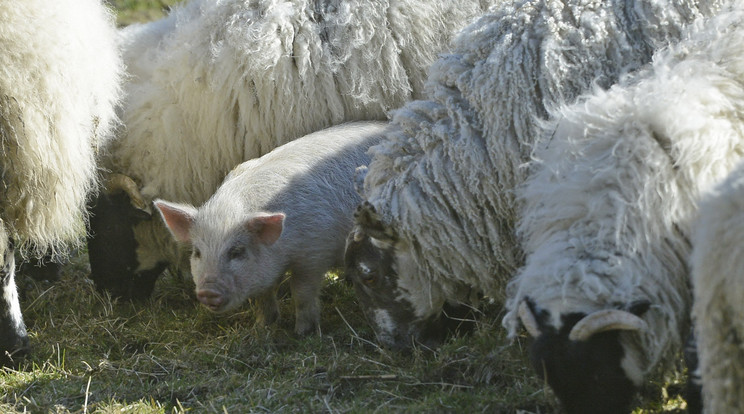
{"x":13,"y":337}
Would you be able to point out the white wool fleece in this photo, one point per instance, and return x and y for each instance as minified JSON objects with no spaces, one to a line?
{"x":59,"y":83}
{"x":718,"y":310}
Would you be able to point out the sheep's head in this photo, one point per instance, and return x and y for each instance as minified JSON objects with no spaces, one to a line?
{"x":582,"y":356}
{"x":112,"y":248}
{"x":374,"y":259}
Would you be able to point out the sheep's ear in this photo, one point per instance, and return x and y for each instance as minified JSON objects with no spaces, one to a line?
{"x":267,"y":227}
{"x":178,"y":218}
{"x":370,"y":223}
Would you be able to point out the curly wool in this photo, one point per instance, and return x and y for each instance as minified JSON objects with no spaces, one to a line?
{"x":229,"y":80}
{"x":718,"y":291}
{"x":608,"y":209}
{"x":445,"y":181}
{"x":59,"y":83}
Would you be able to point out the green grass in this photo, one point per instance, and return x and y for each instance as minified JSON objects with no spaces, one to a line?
{"x":169,"y":355}
{"x":138,"y":11}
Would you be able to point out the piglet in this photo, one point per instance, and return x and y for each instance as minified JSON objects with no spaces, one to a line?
{"x":289,"y":210}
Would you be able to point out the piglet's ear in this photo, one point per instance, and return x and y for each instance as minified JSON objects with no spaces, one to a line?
{"x":267,"y":228}
{"x":178,"y":218}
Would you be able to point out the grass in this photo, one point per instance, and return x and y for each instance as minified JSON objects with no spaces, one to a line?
{"x":138,"y":11}
{"x":168,"y":354}
{"x":92,"y":354}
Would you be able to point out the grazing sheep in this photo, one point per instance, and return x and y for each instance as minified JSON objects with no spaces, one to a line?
{"x":216,"y":83}
{"x":607,"y":212}
{"x":718,"y":280}
{"x":291,"y":209}
{"x":59,"y":83}
{"x":437,"y":227}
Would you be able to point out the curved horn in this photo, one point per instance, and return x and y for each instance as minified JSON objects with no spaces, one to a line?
{"x":606,"y":320}
{"x":528,"y":319}
{"x":121,"y":182}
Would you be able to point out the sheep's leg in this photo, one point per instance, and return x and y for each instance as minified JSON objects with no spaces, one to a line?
{"x":13,"y":336}
{"x":268,"y":308}
{"x":693,"y":392}
{"x":305,"y":288}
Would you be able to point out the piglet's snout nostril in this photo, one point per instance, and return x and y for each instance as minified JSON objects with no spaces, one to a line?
{"x":209,"y":298}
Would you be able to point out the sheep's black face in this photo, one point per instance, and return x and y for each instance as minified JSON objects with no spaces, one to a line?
{"x":590,"y":375}
{"x":372,"y":266}
{"x":112,"y":248}
{"x":13,"y":337}
{"x":586,"y":376}
{"x":371,"y":269}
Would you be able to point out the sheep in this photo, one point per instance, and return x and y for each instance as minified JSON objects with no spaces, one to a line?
{"x":290,"y":209}
{"x":437,"y":224}
{"x":717,"y":280}
{"x":59,"y":84}
{"x":606,"y":215}
{"x":227,"y":81}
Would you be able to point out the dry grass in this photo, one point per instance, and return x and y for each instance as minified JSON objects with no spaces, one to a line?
{"x":95,"y":355}
{"x":168,"y":354}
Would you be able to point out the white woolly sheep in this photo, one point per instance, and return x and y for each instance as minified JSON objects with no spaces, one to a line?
{"x":59,"y":84}
{"x":227,"y":81}
{"x":718,"y":280}
{"x":607,"y":213}
{"x":440,"y":208}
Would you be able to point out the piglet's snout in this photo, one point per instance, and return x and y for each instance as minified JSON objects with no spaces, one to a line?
{"x":209,"y":298}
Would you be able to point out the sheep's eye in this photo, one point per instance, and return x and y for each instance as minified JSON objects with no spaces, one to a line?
{"x":367,"y":275}
{"x":196,"y":254}
{"x":236,"y":252}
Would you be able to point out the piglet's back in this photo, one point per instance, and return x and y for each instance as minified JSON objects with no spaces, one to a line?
{"x":309,"y":179}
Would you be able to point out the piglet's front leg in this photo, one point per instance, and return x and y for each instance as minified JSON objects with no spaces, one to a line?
{"x":268,"y":308}
{"x":305,"y":288}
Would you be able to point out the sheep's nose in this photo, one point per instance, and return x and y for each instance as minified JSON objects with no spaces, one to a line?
{"x":209,"y":298}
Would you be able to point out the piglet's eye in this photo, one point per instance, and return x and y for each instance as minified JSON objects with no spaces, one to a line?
{"x":196,"y":253}
{"x":236,"y":252}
